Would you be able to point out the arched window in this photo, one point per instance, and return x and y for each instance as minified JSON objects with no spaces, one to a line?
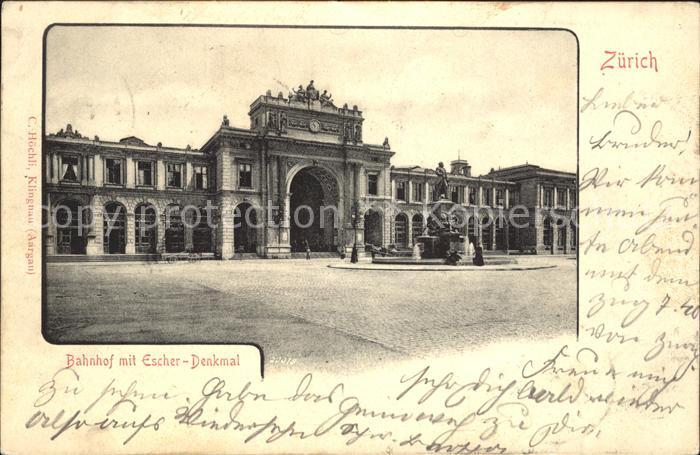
{"x":202,"y":232}
{"x":145,"y":224}
{"x":501,"y":239}
{"x":174,"y":230}
{"x":400,"y":237}
{"x":417,"y":226}
{"x":373,"y":227}
{"x":244,"y":228}
{"x":114,"y":228}
{"x":487,"y":233}
{"x":547,"y":232}
{"x":471,"y":229}
{"x":71,"y":228}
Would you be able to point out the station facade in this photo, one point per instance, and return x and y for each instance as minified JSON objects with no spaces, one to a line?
{"x":300,"y":176}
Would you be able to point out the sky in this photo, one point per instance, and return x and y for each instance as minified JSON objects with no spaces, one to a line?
{"x":495,"y":98}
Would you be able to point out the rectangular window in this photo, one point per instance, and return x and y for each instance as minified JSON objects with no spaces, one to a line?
{"x":472,"y":196}
{"x":70,"y":172}
{"x":144,"y":173}
{"x":372,"y":184}
{"x":488,"y":196}
{"x":572,"y":199}
{"x":200,"y":178}
{"x":500,"y":199}
{"x":174,"y":175}
{"x":114,"y":171}
{"x":513,"y":198}
{"x":245,"y":175}
{"x":548,"y":197}
{"x":401,"y":191}
{"x":561,"y":198}
{"x":418,"y":192}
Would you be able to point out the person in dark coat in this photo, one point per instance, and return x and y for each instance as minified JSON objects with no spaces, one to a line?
{"x":308,"y":249}
{"x":353,"y":254}
{"x":478,"y":256}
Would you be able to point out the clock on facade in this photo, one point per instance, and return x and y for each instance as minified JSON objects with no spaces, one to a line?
{"x":315,"y":126}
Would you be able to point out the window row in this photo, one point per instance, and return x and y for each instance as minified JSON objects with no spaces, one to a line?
{"x":456,"y":194}
{"x":114,"y":172}
{"x":548,"y":197}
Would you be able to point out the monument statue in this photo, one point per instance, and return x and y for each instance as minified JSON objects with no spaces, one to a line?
{"x":326,"y":99}
{"x":299,"y":94}
{"x":311,"y":91}
{"x":440,"y":190}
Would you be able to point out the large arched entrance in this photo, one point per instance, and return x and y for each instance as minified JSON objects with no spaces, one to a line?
{"x":373,"y":227}
{"x":313,"y":210}
{"x":114,"y":228}
{"x":245,"y":228}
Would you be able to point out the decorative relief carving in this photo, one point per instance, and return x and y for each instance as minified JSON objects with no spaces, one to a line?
{"x":330,"y":127}
{"x":297,"y":123}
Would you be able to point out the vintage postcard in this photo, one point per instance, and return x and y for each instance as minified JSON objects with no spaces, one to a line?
{"x":350,"y":228}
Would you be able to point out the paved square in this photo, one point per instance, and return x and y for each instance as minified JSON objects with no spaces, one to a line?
{"x":308,"y":311}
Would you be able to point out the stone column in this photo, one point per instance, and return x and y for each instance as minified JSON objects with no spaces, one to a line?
{"x":47,"y":167}
{"x":506,"y":201}
{"x":160,"y":175}
{"x":83,"y":170}
{"x":99,"y":171}
{"x":189,"y":176}
{"x":357,"y":192}
{"x":95,"y":237}
{"x":160,"y":232}
{"x":130,"y":233}
{"x":409,"y":231}
{"x":130,"y":173}
{"x":480,"y":196}
{"x":50,"y":229}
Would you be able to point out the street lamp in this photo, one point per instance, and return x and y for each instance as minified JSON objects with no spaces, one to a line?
{"x":355,"y":218}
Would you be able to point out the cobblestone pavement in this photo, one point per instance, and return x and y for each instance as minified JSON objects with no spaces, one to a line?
{"x":308,"y":311}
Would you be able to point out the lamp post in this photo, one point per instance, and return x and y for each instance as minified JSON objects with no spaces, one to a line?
{"x":355,"y":217}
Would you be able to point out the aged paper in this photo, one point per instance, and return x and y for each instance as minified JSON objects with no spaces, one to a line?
{"x":422,"y":318}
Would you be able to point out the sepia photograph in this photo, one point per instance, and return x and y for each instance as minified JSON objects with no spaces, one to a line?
{"x":335,"y":205}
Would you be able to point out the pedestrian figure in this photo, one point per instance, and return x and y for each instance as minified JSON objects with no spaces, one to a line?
{"x":353,"y":255}
{"x":308,"y":249}
{"x":452,"y":258}
{"x":479,"y":256}
{"x":471,"y":250}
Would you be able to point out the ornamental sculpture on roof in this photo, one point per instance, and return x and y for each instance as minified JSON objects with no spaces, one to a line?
{"x":310,"y":93}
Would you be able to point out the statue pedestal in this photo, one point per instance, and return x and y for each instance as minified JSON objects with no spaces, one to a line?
{"x":430,"y":246}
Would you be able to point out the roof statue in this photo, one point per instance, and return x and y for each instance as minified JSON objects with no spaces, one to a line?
{"x":310,"y":93}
